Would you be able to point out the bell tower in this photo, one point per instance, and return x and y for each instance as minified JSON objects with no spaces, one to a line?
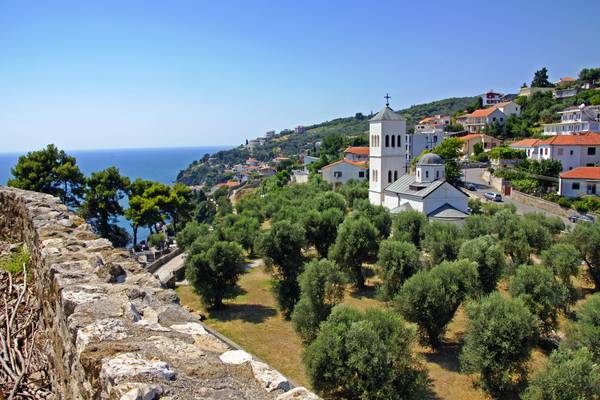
{"x":387,"y":151}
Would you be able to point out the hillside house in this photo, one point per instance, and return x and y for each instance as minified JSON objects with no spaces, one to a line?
{"x":581,"y":181}
{"x":432,"y":123}
{"x":575,"y":120}
{"x":571,"y":150}
{"x":491,"y":98}
{"x":509,"y":108}
{"x":342,"y":171}
{"x":476,"y":121}
{"x":418,"y":142}
{"x":469,"y":141}
{"x":357,"y":153}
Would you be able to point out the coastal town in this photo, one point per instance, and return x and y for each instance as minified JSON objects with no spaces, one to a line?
{"x":486,"y":152}
{"x":389,"y":255}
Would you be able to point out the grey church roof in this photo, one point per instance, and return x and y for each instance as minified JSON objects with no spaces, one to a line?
{"x":430,"y":159}
{"x":387,"y":114}
{"x":407,"y":184}
{"x":447,"y":212}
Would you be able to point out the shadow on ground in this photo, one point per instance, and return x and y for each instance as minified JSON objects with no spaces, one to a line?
{"x":446,"y":357}
{"x":253,"y":313}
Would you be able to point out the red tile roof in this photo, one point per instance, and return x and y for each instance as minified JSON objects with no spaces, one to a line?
{"x":363,"y":151}
{"x":588,"y":139}
{"x":484,"y":112}
{"x":475,"y":136}
{"x":362,"y":164}
{"x":567,"y":79}
{"x":582,"y":173}
{"x":525,"y":143}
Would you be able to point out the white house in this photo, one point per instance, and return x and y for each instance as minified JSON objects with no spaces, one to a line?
{"x":509,"y":108}
{"x":387,"y":152}
{"x":490,"y":98}
{"x":433,"y":122}
{"x":427,"y":192}
{"x":571,"y":150}
{"x":356,"y":153}
{"x":575,"y":120}
{"x":581,"y":181}
{"x":479,"y":119}
{"x":342,"y":171}
{"x":417,"y":142}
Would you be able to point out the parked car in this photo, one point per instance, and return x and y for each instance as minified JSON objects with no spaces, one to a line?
{"x":493,"y":196}
{"x":581,"y":218}
{"x":470,"y":186}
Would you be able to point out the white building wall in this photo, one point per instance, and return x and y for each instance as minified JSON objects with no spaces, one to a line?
{"x":566,"y":189}
{"x":348,"y":172}
{"x":446,"y":194}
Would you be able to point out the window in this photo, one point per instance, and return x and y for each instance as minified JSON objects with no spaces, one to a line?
{"x":575,"y":186}
{"x":494,"y":119}
{"x":393,"y":141}
{"x":501,"y":119}
{"x":560,"y":152}
{"x":395,"y":176}
{"x":589,"y":164}
{"x":437,"y":174}
{"x":389,"y":176}
{"x":426,"y":174}
{"x":337,"y":174}
{"x":398,"y":141}
{"x":373,"y":175}
{"x":591,"y":151}
{"x":361,"y":174}
{"x":571,"y":152}
{"x":435,"y":138}
{"x":387,"y":140}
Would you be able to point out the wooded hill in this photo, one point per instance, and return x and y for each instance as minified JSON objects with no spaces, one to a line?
{"x":287,"y":143}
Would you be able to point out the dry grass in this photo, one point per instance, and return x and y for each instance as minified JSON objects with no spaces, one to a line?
{"x":253,"y":321}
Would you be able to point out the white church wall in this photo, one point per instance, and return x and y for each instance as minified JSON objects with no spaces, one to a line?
{"x":390,"y":201}
{"x":446,"y":194}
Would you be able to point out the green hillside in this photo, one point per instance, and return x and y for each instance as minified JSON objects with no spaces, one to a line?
{"x":287,"y":143}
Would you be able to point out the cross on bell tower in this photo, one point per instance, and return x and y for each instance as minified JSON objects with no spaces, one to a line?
{"x":387,"y":98}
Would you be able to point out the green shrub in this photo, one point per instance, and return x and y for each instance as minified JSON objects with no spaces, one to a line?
{"x":500,"y":335}
{"x":15,"y":261}
{"x":365,"y":356}
{"x":398,"y":262}
{"x":430,"y":298}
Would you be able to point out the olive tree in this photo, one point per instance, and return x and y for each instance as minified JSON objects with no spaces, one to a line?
{"x":214,"y":272}
{"x":398,"y":262}
{"x":536,"y":286}
{"x":355,"y":242}
{"x":321,"y":288}
{"x":585,"y":237}
{"x":568,"y":375}
{"x":365,"y":356}
{"x":490,"y":259}
{"x":430,"y":298}
{"x":500,"y":335}
{"x":281,"y":246}
{"x":564,"y":260}
{"x":408,"y":226}
{"x":586,"y":331}
{"x":442,"y":241}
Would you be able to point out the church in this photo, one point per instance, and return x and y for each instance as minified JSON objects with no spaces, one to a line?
{"x":393,"y":186}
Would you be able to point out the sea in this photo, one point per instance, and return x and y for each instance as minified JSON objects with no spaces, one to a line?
{"x":161,"y":165}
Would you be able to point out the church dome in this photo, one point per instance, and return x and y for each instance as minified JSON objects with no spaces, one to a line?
{"x":430,"y":159}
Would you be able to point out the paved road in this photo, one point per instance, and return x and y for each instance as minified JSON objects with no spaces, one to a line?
{"x":167,"y":271}
{"x":474,"y":176}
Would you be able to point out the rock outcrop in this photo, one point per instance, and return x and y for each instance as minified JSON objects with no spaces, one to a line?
{"x":114,"y":332}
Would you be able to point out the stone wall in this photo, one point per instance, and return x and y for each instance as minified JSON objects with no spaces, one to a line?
{"x":540,"y":203}
{"x":114,"y":332}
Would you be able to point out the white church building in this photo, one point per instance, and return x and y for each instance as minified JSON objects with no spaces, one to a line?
{"x":392,"y":186}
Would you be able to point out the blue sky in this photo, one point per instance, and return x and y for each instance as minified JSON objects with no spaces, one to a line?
{"x":118,"y":74}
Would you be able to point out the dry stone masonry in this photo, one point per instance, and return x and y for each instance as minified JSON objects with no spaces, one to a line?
{"x":114,"y":332}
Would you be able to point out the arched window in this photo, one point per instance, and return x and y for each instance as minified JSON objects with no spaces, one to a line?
{"x":426,"y":174}
{"x":395,"y":176}
{"x":437,"y":174}
{"x":398,"y":143}
{"x":389,"y":176}
{"x":387,"y":140}
{"x":393,"y":141}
